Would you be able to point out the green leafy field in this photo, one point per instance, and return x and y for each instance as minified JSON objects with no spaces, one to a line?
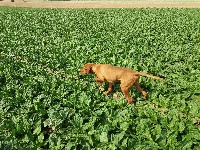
{"x":42,"y":109}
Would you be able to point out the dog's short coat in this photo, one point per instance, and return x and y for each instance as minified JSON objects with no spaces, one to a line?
{"x":111,"y":74}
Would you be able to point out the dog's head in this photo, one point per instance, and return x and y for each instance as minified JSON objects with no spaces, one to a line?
{"x":87,"y":68}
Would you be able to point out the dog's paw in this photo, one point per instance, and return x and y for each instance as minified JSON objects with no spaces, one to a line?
{"x":100,"y":88}
{"x":145,"y":94}
{"x":116,"y":96}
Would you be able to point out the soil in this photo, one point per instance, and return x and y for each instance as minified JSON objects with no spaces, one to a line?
{"x":103,"y":4}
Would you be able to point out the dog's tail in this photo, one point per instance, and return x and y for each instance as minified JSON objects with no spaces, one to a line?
{"x":148,"y":75}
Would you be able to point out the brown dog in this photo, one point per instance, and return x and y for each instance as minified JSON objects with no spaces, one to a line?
{"x":111,"y":74}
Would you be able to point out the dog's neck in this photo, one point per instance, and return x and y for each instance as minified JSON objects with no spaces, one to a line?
{"x":93,"y":69}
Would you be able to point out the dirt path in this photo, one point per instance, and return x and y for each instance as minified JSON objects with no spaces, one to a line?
{"x":104,"y":4}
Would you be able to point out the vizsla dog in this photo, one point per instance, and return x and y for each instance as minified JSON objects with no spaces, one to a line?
{"x":111,"y":74}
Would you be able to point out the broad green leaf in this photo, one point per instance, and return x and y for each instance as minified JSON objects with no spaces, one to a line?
{"x":37,"y":130}
{"x":41,"y":137}
{"x":104,"y":137}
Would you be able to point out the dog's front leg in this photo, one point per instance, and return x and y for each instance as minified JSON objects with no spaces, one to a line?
{"x":99,"y":81}
{"x":109,"y":88}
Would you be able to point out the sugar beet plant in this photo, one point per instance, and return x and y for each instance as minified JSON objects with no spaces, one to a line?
{"x":41,"y":109}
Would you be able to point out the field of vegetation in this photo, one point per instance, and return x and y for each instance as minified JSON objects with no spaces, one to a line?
{"x":40,"y":108}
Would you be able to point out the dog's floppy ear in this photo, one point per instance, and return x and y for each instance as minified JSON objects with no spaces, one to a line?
{"x":88,"y":68}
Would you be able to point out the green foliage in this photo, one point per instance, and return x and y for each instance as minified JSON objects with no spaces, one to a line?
{"x":39,"y":109}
